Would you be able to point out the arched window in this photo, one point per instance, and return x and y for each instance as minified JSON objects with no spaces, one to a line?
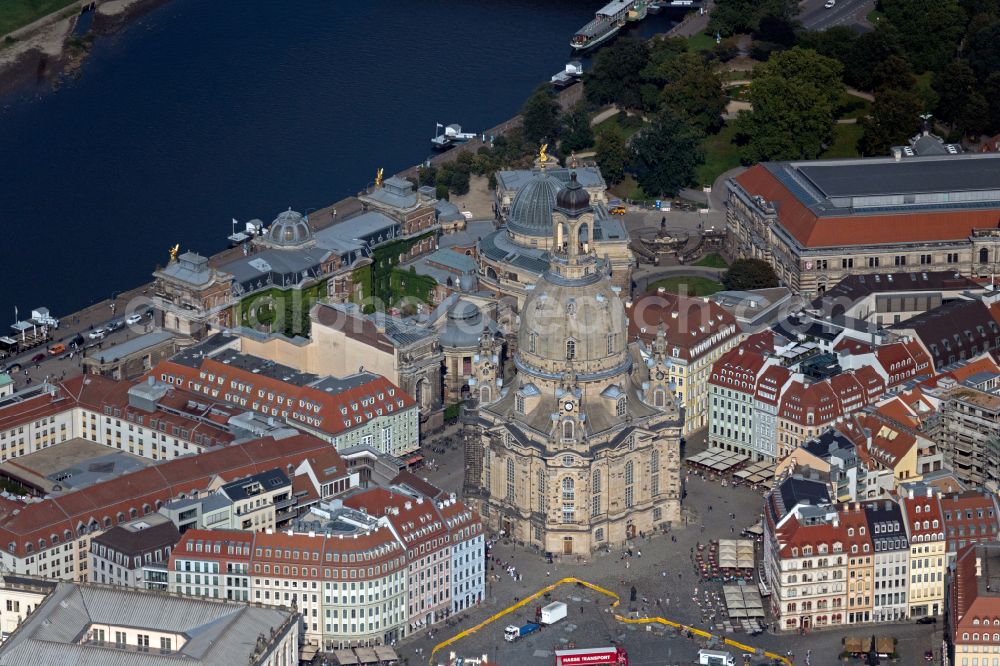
{"x":568,"y":489}
{"x":484,"y":394}
{"x":654,"y":462}
{"x":567,"y":429}
{"x":984,"y":255}
{"x":531,"y":343}
{"x":620,"y":407}
{"x":519,"y":404}
{"x":510,"y":479}
{"x":132,"y":513}
{"x":595,"y":484}
{"x":541,"y":491}
{"x":571,"y":349}
{"x":659,"y":398}
{"x":629,"y":473}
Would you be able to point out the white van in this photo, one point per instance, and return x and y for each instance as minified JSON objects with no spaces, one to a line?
{"x":715,"y":658}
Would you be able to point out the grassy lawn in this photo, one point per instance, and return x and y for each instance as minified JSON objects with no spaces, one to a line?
{"x":850,"y":106}
{"x":687,"y":285}
{"x":713,"y":260}
{"x":721,"y":154}
{"x":629,"y":189}
{"x":628,"y":124}
{"x":701,"y":42}
{"x":16,"y":14}
{"x":875,"y":16}
{"x":845,"y":141}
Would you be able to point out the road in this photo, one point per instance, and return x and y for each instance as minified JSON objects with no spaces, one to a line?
{"x":814,"y":16}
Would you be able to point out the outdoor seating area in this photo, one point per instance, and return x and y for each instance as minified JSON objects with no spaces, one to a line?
{"x":725,"y":561}
{"x":734,"y":468}
{"x":744,"y":607}
{"x":380,"y":654}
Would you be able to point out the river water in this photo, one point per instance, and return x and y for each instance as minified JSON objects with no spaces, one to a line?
{"x":203,"y":111}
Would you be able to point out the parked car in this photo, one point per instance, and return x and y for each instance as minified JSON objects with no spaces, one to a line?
{"x":929,"y":619}
{"x":617,"y":210}
{"x":133,"y":319}
{"x":830,"y":4}
{"x":13,"y":368}
{"x":77,"y":342}
{"x":114,"y":325}
{"x":38,"y":358}
{"x":98,"y":333}
{"x":57,"y":349}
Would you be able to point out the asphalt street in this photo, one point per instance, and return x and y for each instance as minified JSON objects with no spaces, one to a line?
{"x":814,"y":16}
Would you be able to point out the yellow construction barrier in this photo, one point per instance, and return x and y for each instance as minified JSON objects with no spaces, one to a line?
{"x":616,"y":600}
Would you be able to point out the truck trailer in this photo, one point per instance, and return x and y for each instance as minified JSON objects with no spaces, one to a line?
{"x":511,"y":633}
{"x":614,"y":655}
{"x":553,"y":612}
{"x":715,"y":658}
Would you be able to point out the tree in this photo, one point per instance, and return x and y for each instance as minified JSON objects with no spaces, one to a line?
{"x":793,"y":97}
{"x":929,"y":30}
{"x":893,"y":73}
{"x":837,"y":42}
{"x":540,"y":115}
{"x":611,"y":153}
{"x":779,"y":30}
{"x":666,"y":154}
{"x":695,"y":93}
{"x":895,"y":118}
{"x":576,"y":131}
{"x":746,"y":274}
{"x":870,"y":50}
{"x":983,"y":51}
{"x":991,"y":90}
{"x":729,"y":17}
{"x":954,"y":84}
{"x":616,"y":77}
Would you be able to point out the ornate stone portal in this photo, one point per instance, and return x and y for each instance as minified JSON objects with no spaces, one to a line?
{"x":573,"y":454}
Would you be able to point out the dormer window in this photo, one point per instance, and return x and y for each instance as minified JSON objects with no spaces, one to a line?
{"x":570,"y":349}
{"x":620,"y":406}
{"x":519,"y":404}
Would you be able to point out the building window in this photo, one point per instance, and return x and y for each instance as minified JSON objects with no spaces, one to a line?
{"x":900,"y":260}
{"x":519,"y":404}
{"x":510,"y":480}
{"x":142,"y":640}
{"x":953,"y":257}
{"x":925,"y":259}
{"x":611,"y":344}
{"x":541,"y":491}
{"x":531,"y":343}
{"x":567,"y":429}
{"x":571,"y":349}
{"x":984,"y":255}
{"x":568,"y":489}
{"x":165,"y":644}
{"x":654,"y":470}
{"x":872,"y":262}
{"x":599,"y":534}
{"x":629,"y":480}
{"x":847,"y":263}
{"x":659,"y":397}
{"x":620,"y":407}
{"x":595,"y":490}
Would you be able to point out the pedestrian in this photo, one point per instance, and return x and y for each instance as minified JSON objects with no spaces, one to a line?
{"x":639,"y":552}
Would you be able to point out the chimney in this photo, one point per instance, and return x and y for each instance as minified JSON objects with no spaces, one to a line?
{"x":897,"y":154}
{"x":408,"y":505}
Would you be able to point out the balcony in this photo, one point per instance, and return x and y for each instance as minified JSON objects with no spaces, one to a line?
{"x":280,"y":505}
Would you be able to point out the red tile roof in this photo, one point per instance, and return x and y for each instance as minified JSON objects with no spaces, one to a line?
{"x":103,"y":501}
{"x":333,"y":413}
{"x":686,"y":322}
{"x":892,"y":227}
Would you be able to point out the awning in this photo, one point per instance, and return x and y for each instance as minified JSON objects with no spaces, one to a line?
{"x":413,"y":460}
{"x":386,"y":654}
{"x":345,"y":657}
{"x":366,"y":655}
{"x":307,"y":652}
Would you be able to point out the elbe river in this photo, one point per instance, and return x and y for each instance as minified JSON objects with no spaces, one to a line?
{"x":207,"y":110}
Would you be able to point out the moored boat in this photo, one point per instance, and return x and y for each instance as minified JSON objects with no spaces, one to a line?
{"x":607,"y":22}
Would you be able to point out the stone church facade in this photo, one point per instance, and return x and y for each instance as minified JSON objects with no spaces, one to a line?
{"x":581,"y":449}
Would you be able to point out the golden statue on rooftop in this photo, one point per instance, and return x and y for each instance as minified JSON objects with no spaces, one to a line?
{"x":378,"y":178}
{"x":542,"y":156}
{"x":173,"y":252}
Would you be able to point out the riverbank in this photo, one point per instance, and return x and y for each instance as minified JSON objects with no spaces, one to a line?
{"x":47,"y":48}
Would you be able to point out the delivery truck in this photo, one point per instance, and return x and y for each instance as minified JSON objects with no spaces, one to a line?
{"x":553,"y":612}
{"x":715,"y":658}
{"x":613,"y":655}
{"x":512,"y":632}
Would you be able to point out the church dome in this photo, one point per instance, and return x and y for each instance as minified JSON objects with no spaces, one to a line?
{"x":572,"y":326}
{"x":464,"y":326}
{"x":531,"y":210}
{"x":289,"y":229}
{"x":573,"y":199}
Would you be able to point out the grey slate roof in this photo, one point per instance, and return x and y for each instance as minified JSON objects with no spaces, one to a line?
{"x":269,"y":480}
{"x":191,"y":268}
{"x":960,"y":173}
{"x":498,"y":247}
{"x":135,"y":345}
{"x":219,"y":633}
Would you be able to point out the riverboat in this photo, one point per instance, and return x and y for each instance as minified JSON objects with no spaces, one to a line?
{"x":607,"y":22}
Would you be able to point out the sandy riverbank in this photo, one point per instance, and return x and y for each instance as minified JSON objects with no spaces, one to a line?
{"x":42,"y":51}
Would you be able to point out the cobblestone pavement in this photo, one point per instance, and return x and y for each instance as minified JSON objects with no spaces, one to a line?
{"x":664,"y":575}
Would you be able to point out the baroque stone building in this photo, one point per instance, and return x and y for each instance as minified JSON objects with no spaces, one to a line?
{"x":581,"y":449}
